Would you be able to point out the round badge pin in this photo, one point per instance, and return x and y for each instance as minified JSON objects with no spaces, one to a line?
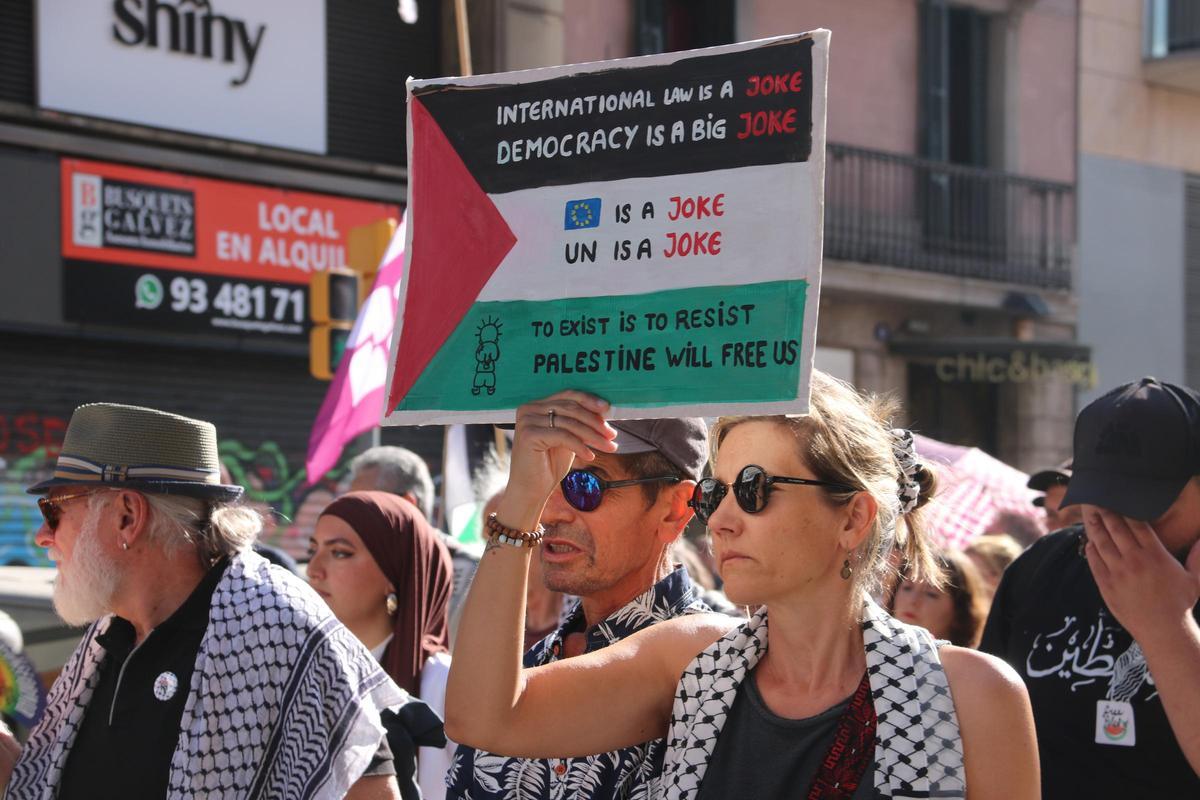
{"x":165,"y":686}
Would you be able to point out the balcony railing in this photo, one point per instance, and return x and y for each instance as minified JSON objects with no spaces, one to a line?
{"x":885,"y":208}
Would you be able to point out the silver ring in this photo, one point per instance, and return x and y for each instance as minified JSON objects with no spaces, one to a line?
{"x":551,"y":413}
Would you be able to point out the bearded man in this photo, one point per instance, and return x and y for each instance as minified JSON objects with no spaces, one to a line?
{"x":204,"y":671}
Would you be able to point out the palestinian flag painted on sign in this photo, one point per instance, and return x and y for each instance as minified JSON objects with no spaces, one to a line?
{"x":647,"y":229}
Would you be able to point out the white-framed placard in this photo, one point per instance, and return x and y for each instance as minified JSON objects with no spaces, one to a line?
{"x":647,"y":229}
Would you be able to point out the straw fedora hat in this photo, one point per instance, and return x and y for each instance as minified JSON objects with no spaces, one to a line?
{"x":140,"y":448}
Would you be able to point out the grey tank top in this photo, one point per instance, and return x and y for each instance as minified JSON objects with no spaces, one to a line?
{"x":763,"y":756}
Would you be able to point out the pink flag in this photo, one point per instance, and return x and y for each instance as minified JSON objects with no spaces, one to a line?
{"x":354,"y":403}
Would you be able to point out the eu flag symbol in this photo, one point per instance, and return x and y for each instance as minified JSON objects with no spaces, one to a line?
{"x":582,"y":214}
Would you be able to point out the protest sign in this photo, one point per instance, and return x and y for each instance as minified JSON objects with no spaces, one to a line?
{"x":647,"y":229}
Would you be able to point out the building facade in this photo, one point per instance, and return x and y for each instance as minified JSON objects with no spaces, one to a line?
{"x":1139,"y":189}
{"x":171,"y":175}
{"x":950,"y":276}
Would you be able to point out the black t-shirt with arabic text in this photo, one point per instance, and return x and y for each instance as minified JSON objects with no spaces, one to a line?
{"x":1085,"y":674}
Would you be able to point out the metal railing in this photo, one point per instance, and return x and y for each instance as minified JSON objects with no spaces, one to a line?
{"x":886,"y":208}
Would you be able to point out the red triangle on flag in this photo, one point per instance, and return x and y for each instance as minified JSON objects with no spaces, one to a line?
{"x":458,"y":240}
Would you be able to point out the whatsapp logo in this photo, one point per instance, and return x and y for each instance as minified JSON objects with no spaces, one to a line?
{"x":148,"y":292}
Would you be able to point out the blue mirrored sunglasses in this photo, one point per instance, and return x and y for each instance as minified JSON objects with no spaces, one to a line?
{"x":583,"y":489}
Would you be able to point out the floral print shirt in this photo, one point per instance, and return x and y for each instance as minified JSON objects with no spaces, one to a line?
{"x":632,"y":772}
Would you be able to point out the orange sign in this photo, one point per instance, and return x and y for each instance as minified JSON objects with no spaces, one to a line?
{"x":141,"y":217}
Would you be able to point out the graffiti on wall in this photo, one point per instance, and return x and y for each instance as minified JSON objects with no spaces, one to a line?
{"x":276,"y":489}
{"x":30,"y":442}
{"x":30,"y":432}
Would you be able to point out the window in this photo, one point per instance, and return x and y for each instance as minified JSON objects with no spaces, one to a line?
{"x":668,"y":26}
{"x":960,"y":119}
{"x":955,"y":84}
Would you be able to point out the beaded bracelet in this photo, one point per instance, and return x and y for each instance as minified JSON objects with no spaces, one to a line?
{"x":503,"y":534}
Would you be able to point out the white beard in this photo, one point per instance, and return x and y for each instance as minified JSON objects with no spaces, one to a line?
{"x":85,"y":594}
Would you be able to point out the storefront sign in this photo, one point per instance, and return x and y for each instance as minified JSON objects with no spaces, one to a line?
{"x":177,"y":252}
{"x":648,"y":230}
{"x":246,"y":71}
{"x":1017,"y":366}
{"x":182,"y":301}
{"x":186,"y":31}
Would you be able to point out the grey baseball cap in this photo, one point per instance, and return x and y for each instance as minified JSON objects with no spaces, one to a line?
{"x":683,"y":441}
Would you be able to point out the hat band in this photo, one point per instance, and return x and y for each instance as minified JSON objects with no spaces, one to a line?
{"x":74,"y":468}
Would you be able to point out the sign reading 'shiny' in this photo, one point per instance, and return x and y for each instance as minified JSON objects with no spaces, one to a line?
{"x":189,"y":28}
{"x":231,"y":69}
{"x":646,"y":229}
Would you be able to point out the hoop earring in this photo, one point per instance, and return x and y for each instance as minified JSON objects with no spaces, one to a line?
{"x":393,"y":604}
{"x":846,"y":571}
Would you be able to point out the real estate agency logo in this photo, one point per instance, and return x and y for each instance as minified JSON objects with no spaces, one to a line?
{"x":106,"y":212}
{"x":86,"y":211}
{"x":189,"y":28}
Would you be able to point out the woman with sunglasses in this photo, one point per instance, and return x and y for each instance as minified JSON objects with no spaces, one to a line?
{"x":844,"y":701}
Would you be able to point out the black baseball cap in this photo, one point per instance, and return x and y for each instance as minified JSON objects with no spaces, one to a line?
{"x":1136,"y":448}
{"x":1054,"y":476}
{"x":681,"y":440}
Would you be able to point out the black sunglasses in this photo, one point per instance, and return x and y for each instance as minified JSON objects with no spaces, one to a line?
{"x":583,"y":489}
{"x":751,"y":489}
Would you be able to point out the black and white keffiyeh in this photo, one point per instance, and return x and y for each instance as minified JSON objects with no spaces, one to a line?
{"x":918,"y":749}
{"x":284,"y":701}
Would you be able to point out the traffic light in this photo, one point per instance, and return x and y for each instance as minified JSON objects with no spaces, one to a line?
{"x":365,"y":247}
{"x":326,"y":346}
{"x":334,"y":296}
{"x":332,"y":305}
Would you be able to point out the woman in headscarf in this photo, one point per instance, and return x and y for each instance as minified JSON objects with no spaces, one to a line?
{"x":385,"y":573}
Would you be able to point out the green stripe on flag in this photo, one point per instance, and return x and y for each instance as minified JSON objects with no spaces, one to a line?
{"x":706,"y":344}
{"x":472,"y":533}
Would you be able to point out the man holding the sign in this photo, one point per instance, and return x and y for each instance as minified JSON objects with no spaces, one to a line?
{"x":608,"y":533}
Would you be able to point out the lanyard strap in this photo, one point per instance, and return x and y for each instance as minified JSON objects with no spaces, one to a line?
{"x":852,"y":750}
